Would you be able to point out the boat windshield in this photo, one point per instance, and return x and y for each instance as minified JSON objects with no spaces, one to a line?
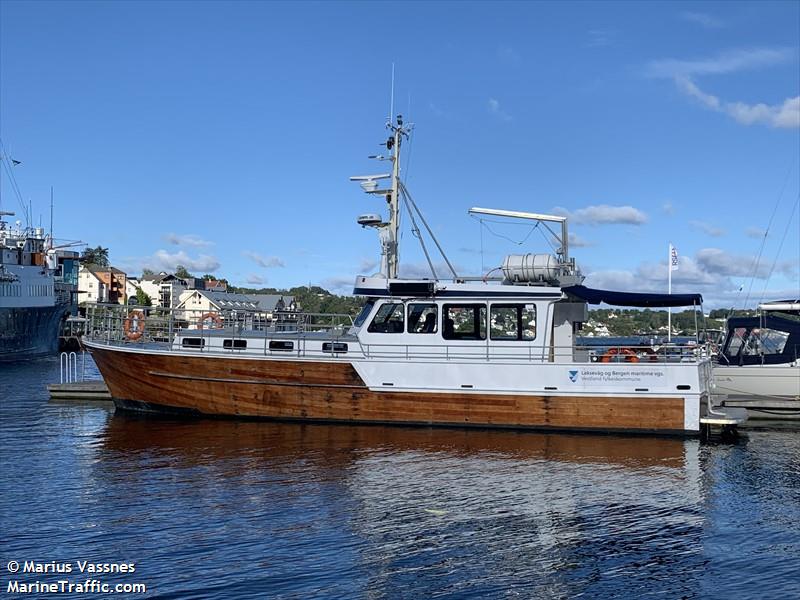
{"x":365,"y":310}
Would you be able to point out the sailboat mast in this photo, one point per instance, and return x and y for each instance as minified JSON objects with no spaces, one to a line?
{"x":51,"y":217}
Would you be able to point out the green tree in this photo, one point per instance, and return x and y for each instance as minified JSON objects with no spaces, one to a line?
{"x":142,"y":299}
{"x":95,"y":256}
{"x":147,"y":273}
{"x":182,"y":273}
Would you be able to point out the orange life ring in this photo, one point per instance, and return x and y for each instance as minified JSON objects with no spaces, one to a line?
{"x":628,"y":353}
{"x":209,"y":320}
{"x":133,"y":326}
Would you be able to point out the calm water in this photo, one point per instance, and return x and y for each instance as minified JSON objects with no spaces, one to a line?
{"x":225,"y":509}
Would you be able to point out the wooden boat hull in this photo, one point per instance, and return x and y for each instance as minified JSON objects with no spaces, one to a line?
{"x":318,"y":390}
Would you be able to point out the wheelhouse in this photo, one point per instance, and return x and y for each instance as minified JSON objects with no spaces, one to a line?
{"x":768,"y":339}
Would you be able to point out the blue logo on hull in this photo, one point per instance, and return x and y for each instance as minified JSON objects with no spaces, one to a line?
{"x":573,"y":376}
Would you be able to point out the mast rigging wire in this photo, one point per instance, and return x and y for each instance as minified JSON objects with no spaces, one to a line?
{"x":764,"y":239}
{"x":780,"y":247}
{"x":13,"y":180}
{"x":404,"y":190}
{"x":500,"y":235}
{"x":416,"y":232}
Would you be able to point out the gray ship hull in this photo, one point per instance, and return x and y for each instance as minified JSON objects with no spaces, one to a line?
{"x":30,"y":331}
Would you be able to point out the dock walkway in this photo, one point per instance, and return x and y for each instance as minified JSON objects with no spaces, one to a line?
{"x":79,"y":390}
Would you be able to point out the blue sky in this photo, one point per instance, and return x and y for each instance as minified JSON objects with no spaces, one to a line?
{"x":222,"y":135}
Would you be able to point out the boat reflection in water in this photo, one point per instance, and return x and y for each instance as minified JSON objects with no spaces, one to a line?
{"x":428,"y":511}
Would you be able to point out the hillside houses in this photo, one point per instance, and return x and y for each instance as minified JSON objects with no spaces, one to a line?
{"x":163,"y":289}
{"x":252,"y":311}
{"x":111,"y":285}
{"x":102,"y":284}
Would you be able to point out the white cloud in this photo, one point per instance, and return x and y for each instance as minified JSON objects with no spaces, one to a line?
{"x":755,"y":232}
{"x":726,"y":62}
{"x":264,"y":261}
{"x":603,"y":214}
{"x":494,"y":109}
{"x":704,"y":20}
{"x":578,"y":242}
{"x":707,"y":228}
{"x":713,"y":272}
{"x":779,"y":116}
{"x":688,"y":87}
{"x":338,"y":285}
{"x":255,"y":279}
{"x":668,"y":208}
{"x":367,"y":265}
{"x":717,"y":290}
{"x":423,"y":271}
{"x":717,"y":261}
{"x":188,"y":239}
{"x":575,"y":241}
{"x":164,"y":261}
{"x":785,"y":115}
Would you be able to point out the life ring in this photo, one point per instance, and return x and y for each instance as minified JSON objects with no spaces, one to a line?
{"x":628,"y":353}
{"x":133,"y":326}
{"x":209,"y":320}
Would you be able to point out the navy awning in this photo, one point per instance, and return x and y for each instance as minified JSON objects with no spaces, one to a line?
{"x":593,"y":296}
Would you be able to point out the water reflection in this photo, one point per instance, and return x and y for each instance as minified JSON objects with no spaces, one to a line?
{"x":188,"y":439}
{"x":447,"y":511}
{"x":227,"y":509}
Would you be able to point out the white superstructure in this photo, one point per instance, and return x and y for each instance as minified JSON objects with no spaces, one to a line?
{"x":26,"y":279}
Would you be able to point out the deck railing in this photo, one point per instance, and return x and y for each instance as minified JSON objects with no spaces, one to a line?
{"x":158,"y":324}
{"x":325,"y":335}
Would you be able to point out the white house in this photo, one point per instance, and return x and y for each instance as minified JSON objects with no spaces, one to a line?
{"x":163,"y":289}
{"x":254,"y":311}
{"x":90,"y":287}
{"x":102,"y":284}
{"x":132,"y":287}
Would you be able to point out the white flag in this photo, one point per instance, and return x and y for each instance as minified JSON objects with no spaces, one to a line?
{"x":673,"y":258}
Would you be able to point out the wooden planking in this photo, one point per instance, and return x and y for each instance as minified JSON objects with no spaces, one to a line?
{"x":334,"y":391}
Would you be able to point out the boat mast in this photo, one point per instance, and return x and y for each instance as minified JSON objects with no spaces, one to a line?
{"x":388,"y":231}
{"x":392,"y":198}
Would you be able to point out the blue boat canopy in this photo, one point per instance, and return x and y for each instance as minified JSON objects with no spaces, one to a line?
{"x":593,"y":296}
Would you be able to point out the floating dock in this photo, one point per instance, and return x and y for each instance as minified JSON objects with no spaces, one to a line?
{"x":80,"y":390}
{"x":773,"y":409}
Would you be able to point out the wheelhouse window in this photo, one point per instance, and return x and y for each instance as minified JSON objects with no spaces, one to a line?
{"x":513,"y":322}
{"x":388,"y":319}
{"x":422,"y":318}
{"x":757,"y":341}
{"x":365,"y":310}
{"x":464,"y":322}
